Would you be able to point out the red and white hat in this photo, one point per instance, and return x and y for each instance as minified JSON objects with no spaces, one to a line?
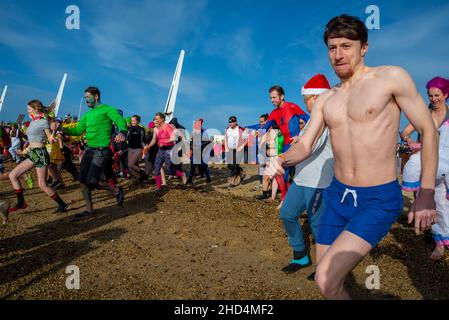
{"x":317,"y":85}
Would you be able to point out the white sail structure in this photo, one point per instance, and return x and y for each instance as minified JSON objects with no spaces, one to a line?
{"x":60,"y":92}
{"x":2,"y":99}
{"x":81,"y":106}
{"x":173,"y":92}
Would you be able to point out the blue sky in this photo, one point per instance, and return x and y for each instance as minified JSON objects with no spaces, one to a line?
{"x":235,"y":50}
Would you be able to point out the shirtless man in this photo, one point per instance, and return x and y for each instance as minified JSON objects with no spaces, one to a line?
{"x":362,"y":114}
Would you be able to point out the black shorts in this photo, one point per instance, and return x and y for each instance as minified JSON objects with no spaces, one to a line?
{"x":96,"y":165}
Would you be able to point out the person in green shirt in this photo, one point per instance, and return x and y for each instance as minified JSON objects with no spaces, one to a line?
{"x":96,"y":165}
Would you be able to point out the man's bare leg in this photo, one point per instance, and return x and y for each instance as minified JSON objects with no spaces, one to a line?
{"x":334,"y":266}
{"x":87,"y":195}
{"x":321,"y":250}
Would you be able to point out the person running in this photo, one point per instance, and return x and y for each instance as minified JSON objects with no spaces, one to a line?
{"x":67,"y":164}
{"x":150,"y":153}
{"x":287,"y":116}
{"x":164,"y":135}
{"x":438,"y":93}
{"x":235,"y":141}
{"x":38,"y":132}
{"x":16,"y":142}
{"x":270,"y":143}
{"x":365,"y":197}
{"x":278,"y":183}
{"x":96,"y":162}
{"x":311,"y":178}
{"x":180,"y":142}
{"x":56,"y":157}
{"x":136,"y":141}
{"x":2,"y":166}
{"x":5,"y":140}
{"x":119,"y":153}
{"x":199,"y":141}
{"x":262,"y":121}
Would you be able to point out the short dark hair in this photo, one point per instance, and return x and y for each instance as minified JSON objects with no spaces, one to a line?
{"x":137,"y":117}
{"x":232,"y":119}
{"x":264,"y":116}
{"x":93,"y":91}
{"x":346,"y":26}
{"x":160,"y":115}
{"x":278,"y":89}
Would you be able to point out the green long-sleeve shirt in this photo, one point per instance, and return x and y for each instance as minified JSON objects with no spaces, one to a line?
{"x":97,"y":123}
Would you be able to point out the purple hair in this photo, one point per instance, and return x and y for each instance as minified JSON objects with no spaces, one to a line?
{"x":439,"y":83}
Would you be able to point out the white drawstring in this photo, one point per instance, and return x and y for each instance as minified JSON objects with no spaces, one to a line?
{"x":354,"y":195}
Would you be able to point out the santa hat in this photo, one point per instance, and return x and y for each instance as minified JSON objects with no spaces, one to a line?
{"x":317,"y":85}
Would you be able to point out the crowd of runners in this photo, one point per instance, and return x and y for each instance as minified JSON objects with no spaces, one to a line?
{"x":337,"y":160}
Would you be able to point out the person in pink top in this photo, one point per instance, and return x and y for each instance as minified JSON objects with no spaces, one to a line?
{"x":164,"y":135}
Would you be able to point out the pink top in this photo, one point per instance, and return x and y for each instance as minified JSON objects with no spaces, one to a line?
{"x":164,"y":134}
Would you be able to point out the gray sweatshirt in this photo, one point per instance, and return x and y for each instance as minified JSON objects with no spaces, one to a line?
{"x":317,"y":170}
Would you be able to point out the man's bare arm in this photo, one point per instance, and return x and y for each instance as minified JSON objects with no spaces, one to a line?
{"x":304,"y":147}
{"x":414,"y":107}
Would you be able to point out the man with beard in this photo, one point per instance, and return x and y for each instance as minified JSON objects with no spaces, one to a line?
{"x":96,"y":164}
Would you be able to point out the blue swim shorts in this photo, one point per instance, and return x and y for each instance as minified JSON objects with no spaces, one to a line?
{"x":368,"y":212}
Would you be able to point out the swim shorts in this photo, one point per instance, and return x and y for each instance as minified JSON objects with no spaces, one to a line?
{"x":95,"y":165}
{"x":39,"y":156}
{"x":368,"y":212}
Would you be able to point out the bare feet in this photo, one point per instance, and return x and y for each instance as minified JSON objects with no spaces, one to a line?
{"x":437,"y":253}
{"x":234,"y":180}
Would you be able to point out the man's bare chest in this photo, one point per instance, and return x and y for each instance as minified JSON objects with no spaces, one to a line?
{"x":358,"y":105}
